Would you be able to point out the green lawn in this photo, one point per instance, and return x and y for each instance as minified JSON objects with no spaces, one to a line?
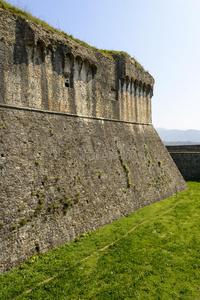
{"x":160,"y":259}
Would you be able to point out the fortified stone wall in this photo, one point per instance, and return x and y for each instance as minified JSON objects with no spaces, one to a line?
{"x":187,"y":159}
{"x":62,"y":176}
{"x":77,"y":147}
{"x":45,"y":70}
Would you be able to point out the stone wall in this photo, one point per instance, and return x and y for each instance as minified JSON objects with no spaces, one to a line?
{"x":46,"y":70}
{"x":64,"y":175}
{"x":77,"y":147}
{"x":187,"y":159}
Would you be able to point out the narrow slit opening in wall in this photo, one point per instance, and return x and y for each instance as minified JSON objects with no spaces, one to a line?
{"x":67,"y":82}
{"x":37,"y":248}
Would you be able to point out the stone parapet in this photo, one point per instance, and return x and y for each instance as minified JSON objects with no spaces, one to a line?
{"x":50,"y":71}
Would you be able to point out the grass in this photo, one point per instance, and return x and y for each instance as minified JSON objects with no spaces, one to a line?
{"x":21,"y":13}
{"x":158,"y":260}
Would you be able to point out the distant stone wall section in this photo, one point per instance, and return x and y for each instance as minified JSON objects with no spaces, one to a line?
{"x":187,"y":159}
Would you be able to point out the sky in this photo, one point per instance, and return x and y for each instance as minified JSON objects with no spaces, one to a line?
{"x":162,"y":35}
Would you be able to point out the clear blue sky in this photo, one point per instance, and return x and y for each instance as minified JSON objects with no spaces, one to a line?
{"x":163,"y":35}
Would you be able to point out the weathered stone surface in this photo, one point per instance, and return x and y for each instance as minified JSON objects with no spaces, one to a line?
{"x":187,"y":159}
{"x":65,"y":175}
{"x":77,"y":147}
{"x":45,"y":70}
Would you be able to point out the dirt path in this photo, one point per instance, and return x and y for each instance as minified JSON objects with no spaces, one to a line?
{"x":102,"y":249}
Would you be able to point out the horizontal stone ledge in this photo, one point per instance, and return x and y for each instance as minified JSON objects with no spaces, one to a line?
{"x":188,"y":152}
{"x":68,"y":114}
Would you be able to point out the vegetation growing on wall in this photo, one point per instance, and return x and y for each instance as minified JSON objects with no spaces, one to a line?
{"x":57,"y":206}
{"x":21,"y":13}
{"x":125,"y":167}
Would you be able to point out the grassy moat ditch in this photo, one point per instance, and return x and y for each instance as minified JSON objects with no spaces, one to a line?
{"x":158,"y":259}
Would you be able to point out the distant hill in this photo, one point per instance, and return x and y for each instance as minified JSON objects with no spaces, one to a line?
{"x":179,"y":137}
